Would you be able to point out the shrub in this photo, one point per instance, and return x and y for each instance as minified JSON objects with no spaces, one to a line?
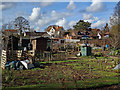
{"x":117,"y":52}
{"x":98,"y":54}
{"x":8,"y":75}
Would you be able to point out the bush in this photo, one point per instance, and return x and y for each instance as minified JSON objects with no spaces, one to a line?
{"x":98,"y":54}
{"x":117,"y":52}
{"x":114,"y":53}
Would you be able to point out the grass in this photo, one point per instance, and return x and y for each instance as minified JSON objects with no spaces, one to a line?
{"x":85,"y":72}
{"x":98,"y":82}
{"x":89,"y":83}
{"x":63,"y":61}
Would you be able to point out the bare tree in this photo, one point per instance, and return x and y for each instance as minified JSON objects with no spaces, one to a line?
{"x":4,"y":26}
{"x":115,"y":36}
{"x":115,"y":27}
{"x":115,"y":18}
{"x":22,"y":25}
{"x":9,"y":25}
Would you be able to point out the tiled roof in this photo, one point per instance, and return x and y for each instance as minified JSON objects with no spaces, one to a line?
{"x":57,"y":28}
{"x":95,"y":29}
{"x":94,"y":32}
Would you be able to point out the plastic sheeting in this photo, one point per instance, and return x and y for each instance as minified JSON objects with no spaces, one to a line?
{"x":117,"y":67}
{"x":19,"y":65}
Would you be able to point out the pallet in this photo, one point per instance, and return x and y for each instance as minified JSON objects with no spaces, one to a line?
{"x":3,"y":59}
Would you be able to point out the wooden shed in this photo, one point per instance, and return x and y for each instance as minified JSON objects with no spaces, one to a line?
{"x":12,"y":43}
{"x":41,"y":44}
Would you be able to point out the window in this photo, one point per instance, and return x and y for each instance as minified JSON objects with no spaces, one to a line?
{"x":62,"y":41}
{"x":79,"y":33}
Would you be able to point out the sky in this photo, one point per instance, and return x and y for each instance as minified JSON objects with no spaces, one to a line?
{"x":66,"y":14}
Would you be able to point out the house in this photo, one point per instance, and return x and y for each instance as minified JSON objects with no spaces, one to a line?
{"x":99,"y":35}
{"x":85,"y":37}
{"x":89,"y":34}
{"x":82,"y":34}
{"x":95,"y":33}
{"x":106,"y":34}
{"x":55,"y":31}
{"x":67,"y":35}
{"x":71,"y":34}
{"x":106,"y":28}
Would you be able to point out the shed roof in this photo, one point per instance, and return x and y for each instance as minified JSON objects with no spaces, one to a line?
{"x":10,"y":30}
{"x":35,"y":33}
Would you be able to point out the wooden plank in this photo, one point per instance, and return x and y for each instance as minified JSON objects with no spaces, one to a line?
{"x":3,"y":59}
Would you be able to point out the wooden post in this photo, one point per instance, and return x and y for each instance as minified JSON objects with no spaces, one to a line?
{"x":51,"y":57}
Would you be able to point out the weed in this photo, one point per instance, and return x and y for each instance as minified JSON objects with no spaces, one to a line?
{"x":84,"y":72}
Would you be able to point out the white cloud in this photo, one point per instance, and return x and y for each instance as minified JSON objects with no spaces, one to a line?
{"x":90,"y":18}
{"x":35,"y":14}
{"x":46,"y":3}
{"x":71,"y":23}
{"x":53,"y":13}
{"x":37,"y":28}
{"x":96,"y":6}
{"x":71,"y":5}
{"x":52,"y":18}
{"x":4,"y":6}
{"x":87,"y":16}
{"x":12,"y":0}
{"x":62,"y":22}
{"x":96,"y":22}
{"x":99,"y":23}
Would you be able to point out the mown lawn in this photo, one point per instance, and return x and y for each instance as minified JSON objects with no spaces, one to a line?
{"x":84,"y":72}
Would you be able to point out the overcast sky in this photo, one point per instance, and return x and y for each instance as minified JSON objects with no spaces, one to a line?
{"x":66,"y":14}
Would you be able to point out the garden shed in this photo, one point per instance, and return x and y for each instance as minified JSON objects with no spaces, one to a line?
{"x":41,"y":44}
{"x":86,"y":51}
